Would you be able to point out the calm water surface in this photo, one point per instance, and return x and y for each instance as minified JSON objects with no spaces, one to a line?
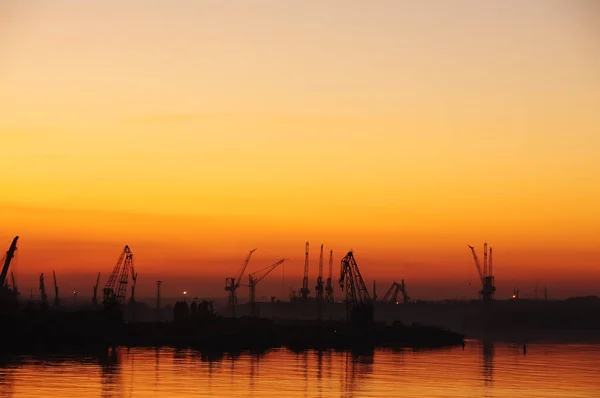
{"x":478,"y":370}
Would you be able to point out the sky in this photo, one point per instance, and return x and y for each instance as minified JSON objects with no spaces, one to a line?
{"x":403,"y":130}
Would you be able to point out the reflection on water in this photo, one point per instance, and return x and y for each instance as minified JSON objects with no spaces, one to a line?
{"x":488,"y":362}
{"x":477,"y":370}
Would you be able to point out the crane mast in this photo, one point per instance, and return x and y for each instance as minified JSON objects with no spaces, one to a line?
{"x":320,"y":288}
{"x":485,"y":259}
{"x":134,"y":276}
{"x":253,"y":280}
{"x":56,"y":298}
{"x":490,"y":263}
{"x":116,"y":288}
{"x":95,"y":296}
{"x":359,"y":307}
{"x":304,"y":292}
{"x":43,"y":294}
{"x":232,"y":284}
{"x":7,"y":259}
{"x":329,"y":287}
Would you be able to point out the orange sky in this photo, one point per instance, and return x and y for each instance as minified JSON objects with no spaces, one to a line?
{"x":405,"y":131}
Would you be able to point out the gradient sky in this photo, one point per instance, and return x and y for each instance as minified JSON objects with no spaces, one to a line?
{"x":404,"y":130}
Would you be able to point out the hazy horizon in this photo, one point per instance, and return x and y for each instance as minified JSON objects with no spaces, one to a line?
{"x":403,"y":130}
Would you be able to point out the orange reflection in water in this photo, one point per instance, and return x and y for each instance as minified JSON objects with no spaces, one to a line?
{"x":480,"y":369}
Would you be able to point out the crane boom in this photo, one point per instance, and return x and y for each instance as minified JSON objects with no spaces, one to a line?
{"x":389,"y":294}
{"x":481,"y":276}
{"x":7,"y":259}
{"x":239,"y":278}
{"x":266,"y":271}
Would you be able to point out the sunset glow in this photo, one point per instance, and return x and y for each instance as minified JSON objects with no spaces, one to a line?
{"x":403,"y":130}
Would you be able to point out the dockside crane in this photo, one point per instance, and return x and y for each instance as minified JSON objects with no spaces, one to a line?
{"x":319,"y":289}
{"x":10,"y":253}
{"x":95,"y":296}
{"x":116,"y":288}
{"x":359,"y":307}
{"x":56,"y":298}
{"x":393,"y":292}
{"x":305,"y":292}
{"x":253,"y":280}
{"x":329,"y":287}
{"x":488,"y":287}
{"x":43,"y":294}
{"x":232,"y":284}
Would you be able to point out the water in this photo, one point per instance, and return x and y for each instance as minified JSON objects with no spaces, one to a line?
{"x":478,"y":370}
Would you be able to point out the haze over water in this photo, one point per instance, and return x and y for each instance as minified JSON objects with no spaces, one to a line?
{"x":478,"y":370}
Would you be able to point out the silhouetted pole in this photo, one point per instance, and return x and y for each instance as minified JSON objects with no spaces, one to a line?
{"x":158,"y":283}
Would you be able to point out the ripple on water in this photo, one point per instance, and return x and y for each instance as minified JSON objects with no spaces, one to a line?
{"x":478,"y":370}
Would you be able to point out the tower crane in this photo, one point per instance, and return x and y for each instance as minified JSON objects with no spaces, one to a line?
{"x":359,"y":307}
{"x":10,"y":253}
{"x":231,"y":285}
{"x":320,"y":288}
{"x":488,"y":287}
{"x":95,"y":296}
{"x":253,"y":280}
{"x":56,"y":298}
{"x":305,"y":292}
{"x":43,"y":294}
{"x":392,"y":294}
{"x":116,"y":287}
{"x":329,"y":287}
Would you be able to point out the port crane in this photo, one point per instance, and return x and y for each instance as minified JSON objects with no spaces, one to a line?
{"x":319,"y":289}
{"x":486,"y":277}
{"x":305,"y":292}
{"x":393,"y":292}
{"x":253,"y":280}
{"x":359,"y":307}
{"x":43,"y":294}
{"x":10,"y":253}
{"x":56,"y":298}
{"x":116,"y":287}
{"x":95,"y":296}
{"x":329,"y":287}
{"x":232,"y":284}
